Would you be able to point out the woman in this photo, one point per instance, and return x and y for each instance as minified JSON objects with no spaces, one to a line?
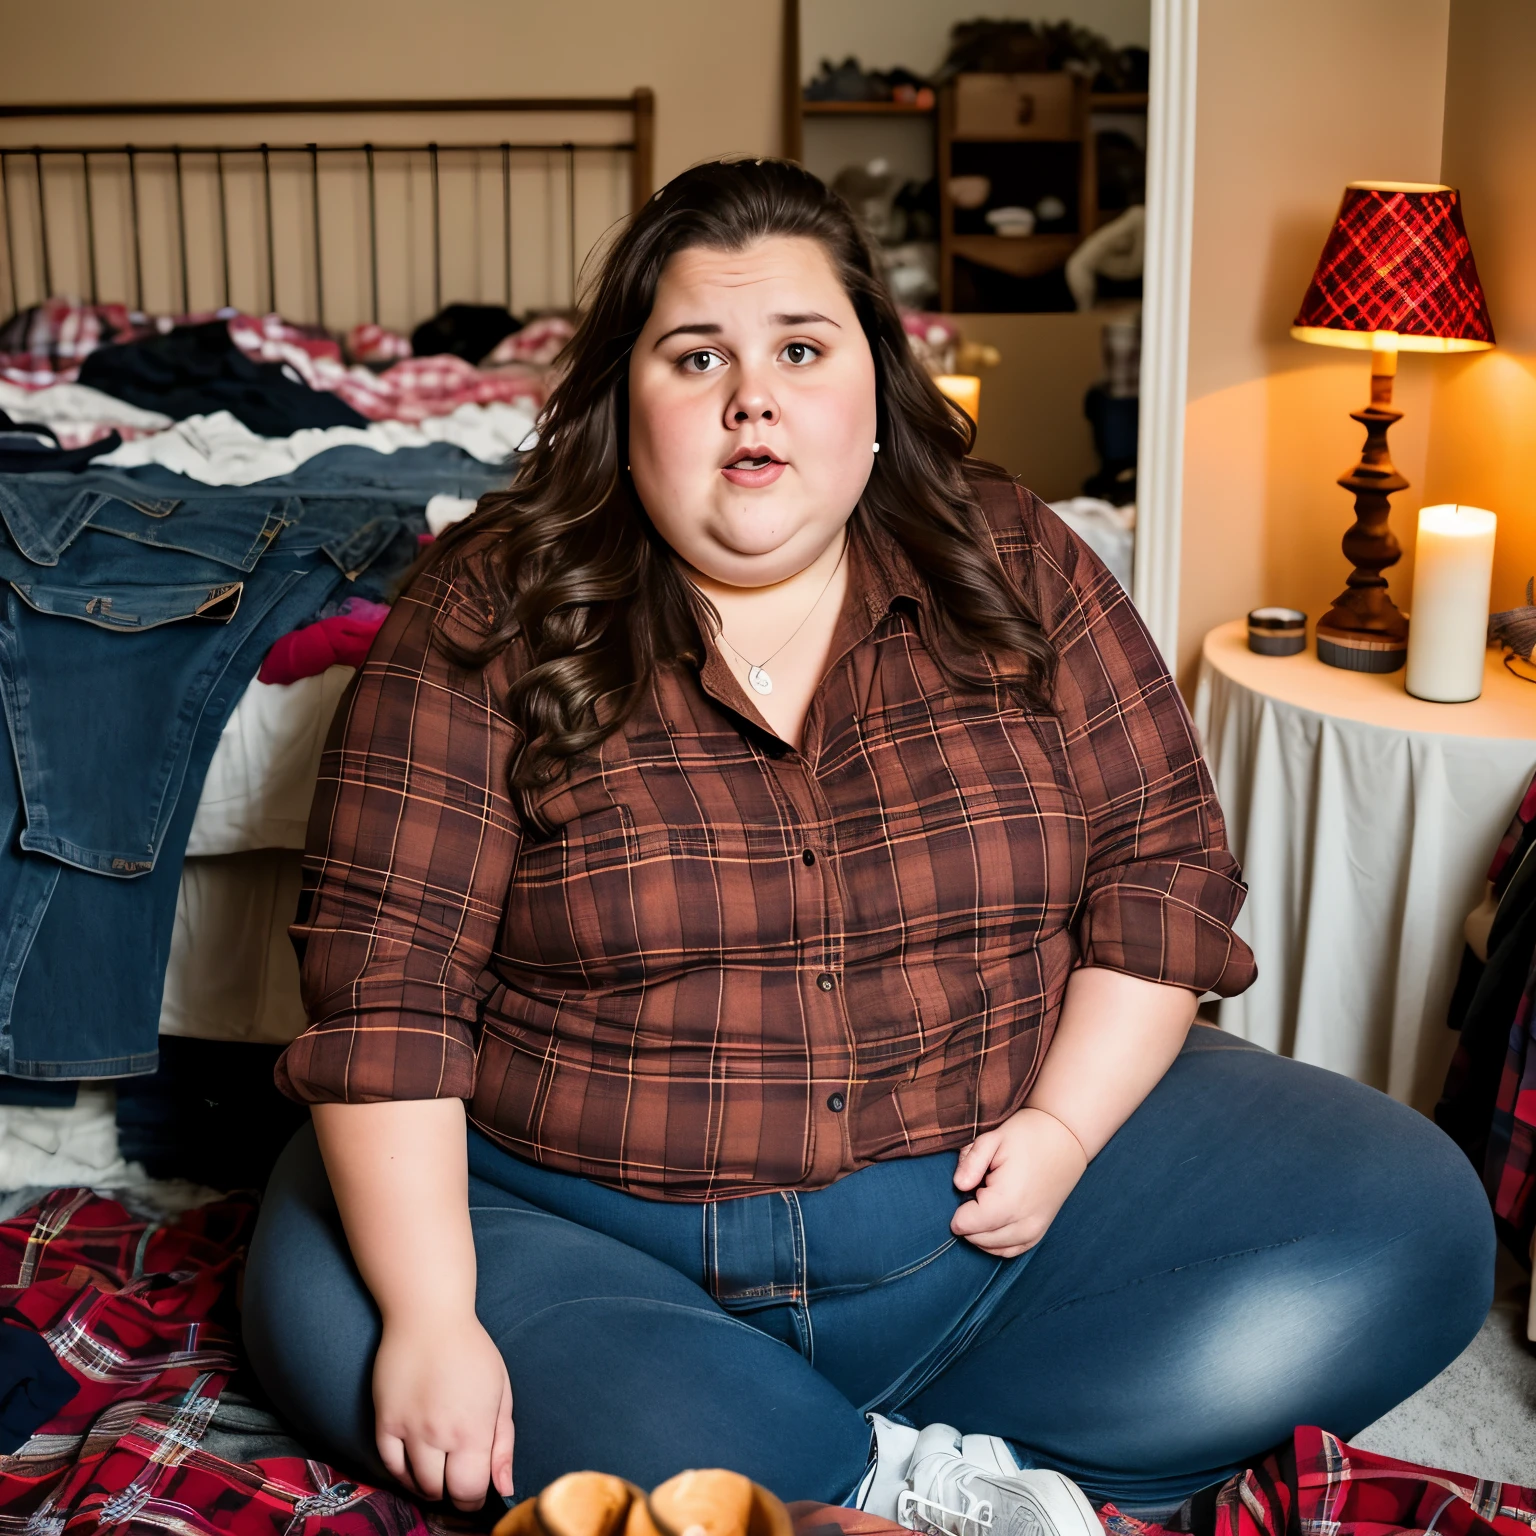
{"x":758,"y":894}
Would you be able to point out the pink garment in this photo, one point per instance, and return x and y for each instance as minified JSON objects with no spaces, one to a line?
{"x":376,"y":345}
{"x":49,"y":343}
{"x":46,"y":344}
{"x":412,"y":390}
{"x":342,"y":641}
{"x":541,"y":341}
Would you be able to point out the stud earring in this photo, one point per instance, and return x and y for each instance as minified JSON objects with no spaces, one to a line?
{"x":877,"y":447}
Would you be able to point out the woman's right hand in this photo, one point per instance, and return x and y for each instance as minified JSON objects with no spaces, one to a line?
{"x":443,"y":1409}
{"x":441,"y":1397}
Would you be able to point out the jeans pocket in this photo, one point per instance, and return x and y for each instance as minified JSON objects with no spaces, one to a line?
{"x":134,"y":607}
{"x":42,"y":524}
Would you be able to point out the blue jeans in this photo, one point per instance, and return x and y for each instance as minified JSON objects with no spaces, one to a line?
{"x":135,"y":606}
{"x":1263,"y":1244}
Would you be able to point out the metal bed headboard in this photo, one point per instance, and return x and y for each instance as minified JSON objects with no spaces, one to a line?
{"x":33,"y":183}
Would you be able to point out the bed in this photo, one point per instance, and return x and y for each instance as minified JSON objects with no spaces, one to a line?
{"x":351,"y":224}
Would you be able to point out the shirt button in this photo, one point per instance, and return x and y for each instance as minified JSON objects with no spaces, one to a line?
{"x":825,"y":982}
{"x":835,"y":1103}
{"x":808,"y":857}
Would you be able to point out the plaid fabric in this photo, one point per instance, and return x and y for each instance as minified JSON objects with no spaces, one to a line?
{"x":1517,"y":833}
{"x":1318,"y":1486}
{"x":1509,"y":1160}
{"x":411,"y":390}
{"x":539,"y":343}
{"x":737,"y":967}
{"x":142,"y":1316}
{"x":47,"y":343}
{"x":1398,"y":261}
{"x":376,"y":344}
{"x":1509,"y":1169}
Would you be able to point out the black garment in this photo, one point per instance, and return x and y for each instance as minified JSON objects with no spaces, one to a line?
{"x":27,"y":446}
{"x":197,"y":368}
{"x":469,"y":331}
{"x":33,"y":1385}
{"x":1483,"y":1008}
{"x":210,"y":1113}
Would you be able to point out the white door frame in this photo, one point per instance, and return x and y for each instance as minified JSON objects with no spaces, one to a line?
{"x":1165,"y":318}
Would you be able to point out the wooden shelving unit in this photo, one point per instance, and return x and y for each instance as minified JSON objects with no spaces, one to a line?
{"x":1028,"y":256}
{"x":1044,"y":142}
{"x":864,"y":109}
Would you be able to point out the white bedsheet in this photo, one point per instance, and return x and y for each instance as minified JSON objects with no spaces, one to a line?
{"x":218,"y":449}
{"x":262,"y":777}
{"x":233,"y":973}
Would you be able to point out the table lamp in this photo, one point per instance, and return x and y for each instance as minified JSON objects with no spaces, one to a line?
{"x":1396,"y":275}
{"x":964,"y":389}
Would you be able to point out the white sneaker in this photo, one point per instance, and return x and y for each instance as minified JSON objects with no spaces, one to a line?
{"x":890,"y":1454}
{"x":971,"y":1485}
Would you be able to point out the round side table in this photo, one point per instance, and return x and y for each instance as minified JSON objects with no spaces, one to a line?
{"x":1364,"y":820}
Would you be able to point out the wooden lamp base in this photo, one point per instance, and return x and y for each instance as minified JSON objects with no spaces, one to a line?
{"x":1365,"y":631}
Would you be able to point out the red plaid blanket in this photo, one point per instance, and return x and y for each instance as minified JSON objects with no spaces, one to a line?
{"x":1316,"y":1486}
{"x":142,"y":1316}
{"x":1320,"y":1485}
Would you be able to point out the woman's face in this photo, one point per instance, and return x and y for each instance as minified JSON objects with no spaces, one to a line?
{"x":751,"y":409}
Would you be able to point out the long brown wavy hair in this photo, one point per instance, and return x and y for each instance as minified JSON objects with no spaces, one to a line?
{"x":578,"y":571}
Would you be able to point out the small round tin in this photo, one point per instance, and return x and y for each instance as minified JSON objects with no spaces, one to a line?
{"x":1277,"y":631}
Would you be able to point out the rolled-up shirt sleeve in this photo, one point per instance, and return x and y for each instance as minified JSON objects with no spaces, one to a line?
{"x":1162,"y":887}
{"x":412,"y":842}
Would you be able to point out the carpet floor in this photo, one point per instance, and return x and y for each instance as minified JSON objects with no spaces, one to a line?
{"x":1479,"y":1414}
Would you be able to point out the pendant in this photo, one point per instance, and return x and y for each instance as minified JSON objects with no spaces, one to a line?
{"x":760,"y":680}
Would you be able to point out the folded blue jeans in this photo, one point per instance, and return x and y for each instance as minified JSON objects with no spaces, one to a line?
{"x":1262,"y":1244}
{"x":135,"y":607}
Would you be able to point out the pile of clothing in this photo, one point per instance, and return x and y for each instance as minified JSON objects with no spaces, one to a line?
{"x":124,"y":1408}
{"x":1488,"y":1105}
{"x":136,"y":373}
{"x":117,"y":1352}
{"x":186,"y":503}
{"x":1314,"y":1486}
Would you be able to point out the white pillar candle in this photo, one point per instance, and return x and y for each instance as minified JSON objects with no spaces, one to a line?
{"x":1448,"y":622}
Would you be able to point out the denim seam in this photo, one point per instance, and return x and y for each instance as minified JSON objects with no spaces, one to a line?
{"x":101,"y":1066}
{"x":1220,"y":1258}
{"x":827,"y":1292}
{"x":18,"y":947}
{"x":162,"y":797}
{"x":800,"y":1258}
{"x":920,"y":1376}
{"x":1135,"y":1280}
{"x":721,"y":1316}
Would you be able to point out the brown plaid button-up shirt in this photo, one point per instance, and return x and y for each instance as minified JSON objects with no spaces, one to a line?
{"x":737,"y":967}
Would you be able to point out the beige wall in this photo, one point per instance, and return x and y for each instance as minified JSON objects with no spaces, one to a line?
{"x":1481,"y":442}
{"x":915,"y":33}
{"x":711,"y":98}
{"x":687,"y":51}
{"x":1032,"y":420}
{"x":1281,"y":126}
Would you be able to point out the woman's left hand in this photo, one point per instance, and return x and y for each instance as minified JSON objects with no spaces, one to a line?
{"x":1022,"y":1174}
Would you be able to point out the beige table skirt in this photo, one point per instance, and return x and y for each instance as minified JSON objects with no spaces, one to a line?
{"x":1364,"y":820}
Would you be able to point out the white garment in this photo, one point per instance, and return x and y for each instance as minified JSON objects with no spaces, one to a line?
{"x":75,"y":1145}
{"x":76,"y":405}
{"x":219,"y":450}
{"x":1109,"y":531}
{"x":1116,"y":250}
{"x":444,"y":511}
{"x":1364,"y":821}
{"x":232,"y":972}
{"x":262,"y":777}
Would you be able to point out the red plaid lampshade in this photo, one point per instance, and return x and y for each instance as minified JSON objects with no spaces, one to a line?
{"x":1398,"y":260}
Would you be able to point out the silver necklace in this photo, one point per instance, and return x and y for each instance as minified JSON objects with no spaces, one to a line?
{"x":757,"y":671}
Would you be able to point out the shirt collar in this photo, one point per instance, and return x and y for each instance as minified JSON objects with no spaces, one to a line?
{"x":880,"y":574}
